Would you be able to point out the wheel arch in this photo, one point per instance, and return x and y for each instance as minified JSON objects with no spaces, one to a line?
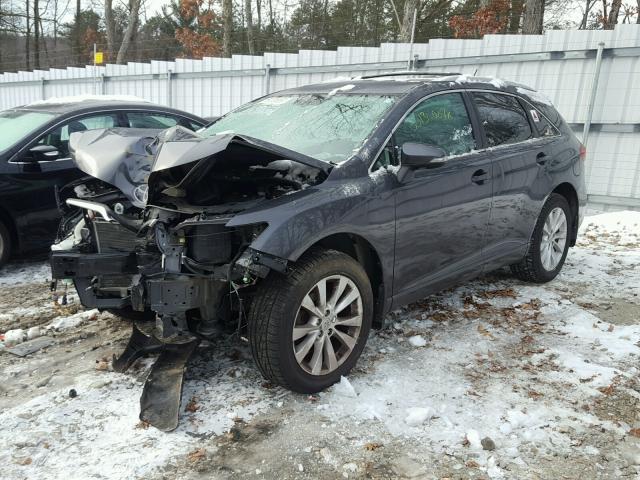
{"x":569,"y":192}
{"x":361,"y":250}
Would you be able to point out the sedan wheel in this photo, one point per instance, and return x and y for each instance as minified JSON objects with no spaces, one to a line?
{"x":554,"y":239}
{"x":327,"y":325}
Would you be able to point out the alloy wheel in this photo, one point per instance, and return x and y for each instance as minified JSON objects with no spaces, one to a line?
{"x":554,"y":239}
{"x":327,"y":325}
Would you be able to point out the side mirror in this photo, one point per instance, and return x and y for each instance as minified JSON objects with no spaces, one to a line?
{"x":42,"y":153}
{"x":421,"y":155}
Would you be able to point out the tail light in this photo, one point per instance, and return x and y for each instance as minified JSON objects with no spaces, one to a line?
{"x":583,"y":152}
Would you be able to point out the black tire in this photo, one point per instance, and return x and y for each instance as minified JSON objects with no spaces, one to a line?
{"x":530,"y":268}
{"x":273,"y":313}
{"x":5,"y":244}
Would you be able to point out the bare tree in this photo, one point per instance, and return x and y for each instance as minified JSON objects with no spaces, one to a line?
{"x":249,"y":18}
{"x":532,"y":21}
{"x":36,"y":33}
{"x":27,"y":40}
{"x":609,"y":20}
{"x":132,"y":26}
{"x":517,"y":6}
{"x":410,"y":7}
{"x":109,"y":27}
{"x":227,"y":26}
{"x":585,"y":17}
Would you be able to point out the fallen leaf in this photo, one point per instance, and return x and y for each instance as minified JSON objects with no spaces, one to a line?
{"x":197,"y":455}
{"x":192,"y":406}
{"x":484,"y":331}
{"x":607,"y":390}
{"x":635,"y":432}
{"x":142,"y":425}
{"x":371,"y":446}
{"x":472,"y":464}
{"x":535,"y":395}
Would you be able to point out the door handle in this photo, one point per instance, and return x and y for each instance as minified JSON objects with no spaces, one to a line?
{"x":479,"y":177}
{"x":541,"y":158}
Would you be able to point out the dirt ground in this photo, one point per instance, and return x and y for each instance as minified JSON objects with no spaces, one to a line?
{"x":492,"y":379}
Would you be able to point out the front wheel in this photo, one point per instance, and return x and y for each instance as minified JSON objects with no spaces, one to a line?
{"x":549,"y":243}
{"x":307,"y":328}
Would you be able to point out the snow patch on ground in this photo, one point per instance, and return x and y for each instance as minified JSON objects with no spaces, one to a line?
{"x":498,"y":358}
{"x":24,"y":272}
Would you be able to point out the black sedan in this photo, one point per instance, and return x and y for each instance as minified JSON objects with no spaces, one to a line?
{"x":34,"y":158}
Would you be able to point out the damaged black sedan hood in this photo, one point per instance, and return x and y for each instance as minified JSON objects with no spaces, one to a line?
{"x":126,"y":158}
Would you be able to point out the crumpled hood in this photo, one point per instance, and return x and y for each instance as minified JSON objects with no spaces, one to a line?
{"x":126,"y":157}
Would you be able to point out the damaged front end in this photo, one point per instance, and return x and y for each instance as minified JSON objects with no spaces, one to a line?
{"x":148,"y":236}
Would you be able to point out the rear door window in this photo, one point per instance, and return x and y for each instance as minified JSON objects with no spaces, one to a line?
{"x":151,"y":120}
{"x":503,"y":118}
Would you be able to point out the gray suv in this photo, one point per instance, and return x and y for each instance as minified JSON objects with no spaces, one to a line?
{"x":307,"y":215}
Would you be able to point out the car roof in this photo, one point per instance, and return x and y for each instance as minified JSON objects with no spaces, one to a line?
{"x":401,"y":83}
{"x":81,"y":104}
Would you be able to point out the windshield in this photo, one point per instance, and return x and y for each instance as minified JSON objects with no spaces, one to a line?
{"x":17,"y":124}
{"x":327,"y":127}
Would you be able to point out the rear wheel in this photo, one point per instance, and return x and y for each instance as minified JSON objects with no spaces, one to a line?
{"x":5,"y":244}
{"x":549,"y":243}
{"x":307,"y":328}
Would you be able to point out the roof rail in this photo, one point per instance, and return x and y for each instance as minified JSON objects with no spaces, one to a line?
{"x":407,"y":73}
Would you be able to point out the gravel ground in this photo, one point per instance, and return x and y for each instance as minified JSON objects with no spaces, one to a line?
{"x":492,"y":379}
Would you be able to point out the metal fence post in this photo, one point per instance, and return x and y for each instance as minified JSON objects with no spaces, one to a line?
{"x":267,"y":79}
{"x":43,"y":94}
{"x":169,"y":89}
{"x":103,"y":86}
{"x":594,"y":91}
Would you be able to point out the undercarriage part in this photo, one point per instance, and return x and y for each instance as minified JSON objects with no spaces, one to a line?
{"x":139,"y":345}
{"x":160,"y":400}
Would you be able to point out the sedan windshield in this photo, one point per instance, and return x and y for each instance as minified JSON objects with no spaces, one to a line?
{"x":17,"y":124}
{"x":327,"y":127}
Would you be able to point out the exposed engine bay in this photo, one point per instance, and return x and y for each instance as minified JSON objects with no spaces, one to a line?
{"x":146,"y":234}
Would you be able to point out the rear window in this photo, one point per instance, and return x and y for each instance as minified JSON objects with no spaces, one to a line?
{"x":16,"y":125}
{"x":503,"y":118}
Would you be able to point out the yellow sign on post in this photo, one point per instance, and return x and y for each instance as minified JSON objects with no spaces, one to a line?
{"x":98,"y":57}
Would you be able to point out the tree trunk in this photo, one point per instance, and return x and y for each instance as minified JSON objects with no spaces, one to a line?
{"x":515,"y":15}
{"x":249,"y":17}
{"x":259,"y":29}
{"x":227,"y":26}
{"x":110,"y":29}
{"x":78,"y":34}
{"x":27,"y":46}
{"x":410,"y":7}
{"x":36,"y":33}
{"x":638,"y":13}
{"x":612,"y":19}
{"x":585,"y":17}
{"x":132,"y":25}
{"x":533,"y":17}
